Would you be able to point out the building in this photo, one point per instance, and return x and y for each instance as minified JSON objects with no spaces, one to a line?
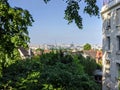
{"x":24,"y":53}
{"x":89,"y":53}
{"x":110,"y":13}
{"x":99,"y":56}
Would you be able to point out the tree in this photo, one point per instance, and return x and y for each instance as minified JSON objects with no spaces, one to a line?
{"x":73,"y":7}
{"x":64,"y":72}
{"x":14,"y":23}
{"x":87,"y":46}
{"x":13,"y":27}
{"x":89,"y":64}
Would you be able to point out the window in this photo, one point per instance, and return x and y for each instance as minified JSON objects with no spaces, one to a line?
{"x":108,"y":62}
{"x":118,"y":66}
{"x":118,"y":17}
{"x":108,"y":42}
{"x":108,"y":26}
{"x":118,"y":42}
{"x":107,"y":66}
{"x":110,"y":1}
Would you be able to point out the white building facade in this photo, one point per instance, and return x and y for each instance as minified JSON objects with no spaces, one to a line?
{"x":110,"y":13}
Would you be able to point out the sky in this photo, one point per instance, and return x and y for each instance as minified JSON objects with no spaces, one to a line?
{"x":50,"y":27}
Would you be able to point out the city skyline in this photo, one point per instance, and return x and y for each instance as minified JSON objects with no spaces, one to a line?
{"x":50,"y":26}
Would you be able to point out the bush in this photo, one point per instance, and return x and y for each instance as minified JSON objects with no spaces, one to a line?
{"x":21,"y":75}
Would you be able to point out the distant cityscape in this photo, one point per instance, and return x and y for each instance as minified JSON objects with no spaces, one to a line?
{"x":78,"y":47}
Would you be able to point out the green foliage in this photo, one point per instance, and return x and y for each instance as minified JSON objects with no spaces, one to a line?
{"x":89,"y":64}
{"x":73,"y":7}
{"x":21,"y":75}
{"x":87,"y":46}
{"x":14,"y":22}
{"x":65,"y":72}
{"x":91,"y":8}
{"x":13,"y":27}
{"x":71,"y":13}
{"x":49,"y":72}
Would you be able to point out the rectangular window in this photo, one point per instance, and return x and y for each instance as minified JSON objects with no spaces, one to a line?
{"x":118,"y":66}
{"x":110,"y":1}
{"x":107,"y":68}
{"x":108,"y":26}
{"x":109,"y":23}
{"x":118,"y":17}
{"x":108,"y":41}
{"x":118,"y":41}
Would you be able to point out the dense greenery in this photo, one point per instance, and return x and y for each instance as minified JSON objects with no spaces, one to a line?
{"x":50,"y":72}
{"x":22,"y":75}
{"x":68,"y":72}
{"x":13,"y":31}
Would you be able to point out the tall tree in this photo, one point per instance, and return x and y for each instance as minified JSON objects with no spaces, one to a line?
{"x":14,"y":22}
{"x":73,"y":7}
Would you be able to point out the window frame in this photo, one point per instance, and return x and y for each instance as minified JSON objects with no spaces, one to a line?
{"x":117,"y":18}
{"x":108,"y":21}
{"x":118,"y":43}
{"x":108,"y":43}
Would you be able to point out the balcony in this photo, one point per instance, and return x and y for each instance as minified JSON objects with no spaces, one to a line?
{"x":109,"y":4}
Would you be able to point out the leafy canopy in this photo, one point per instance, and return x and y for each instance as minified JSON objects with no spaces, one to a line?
{"x":67,"y":72}
{"x":87,"y":46}
{"x":14,"y":23}
{"x":51,"y":71}
{"x":73,"y":7}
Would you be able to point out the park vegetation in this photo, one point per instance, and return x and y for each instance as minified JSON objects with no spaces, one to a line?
{"x":51,"y":71}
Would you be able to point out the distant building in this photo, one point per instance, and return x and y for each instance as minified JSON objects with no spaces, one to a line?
{"x":96,"y":47}
{"x":95,"y":54}
{"x":90,"y":53}
{"x":25,"y":53}
{"x":99,"y":56}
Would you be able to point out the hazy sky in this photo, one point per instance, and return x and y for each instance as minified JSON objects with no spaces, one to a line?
{"x":50,"y":26}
